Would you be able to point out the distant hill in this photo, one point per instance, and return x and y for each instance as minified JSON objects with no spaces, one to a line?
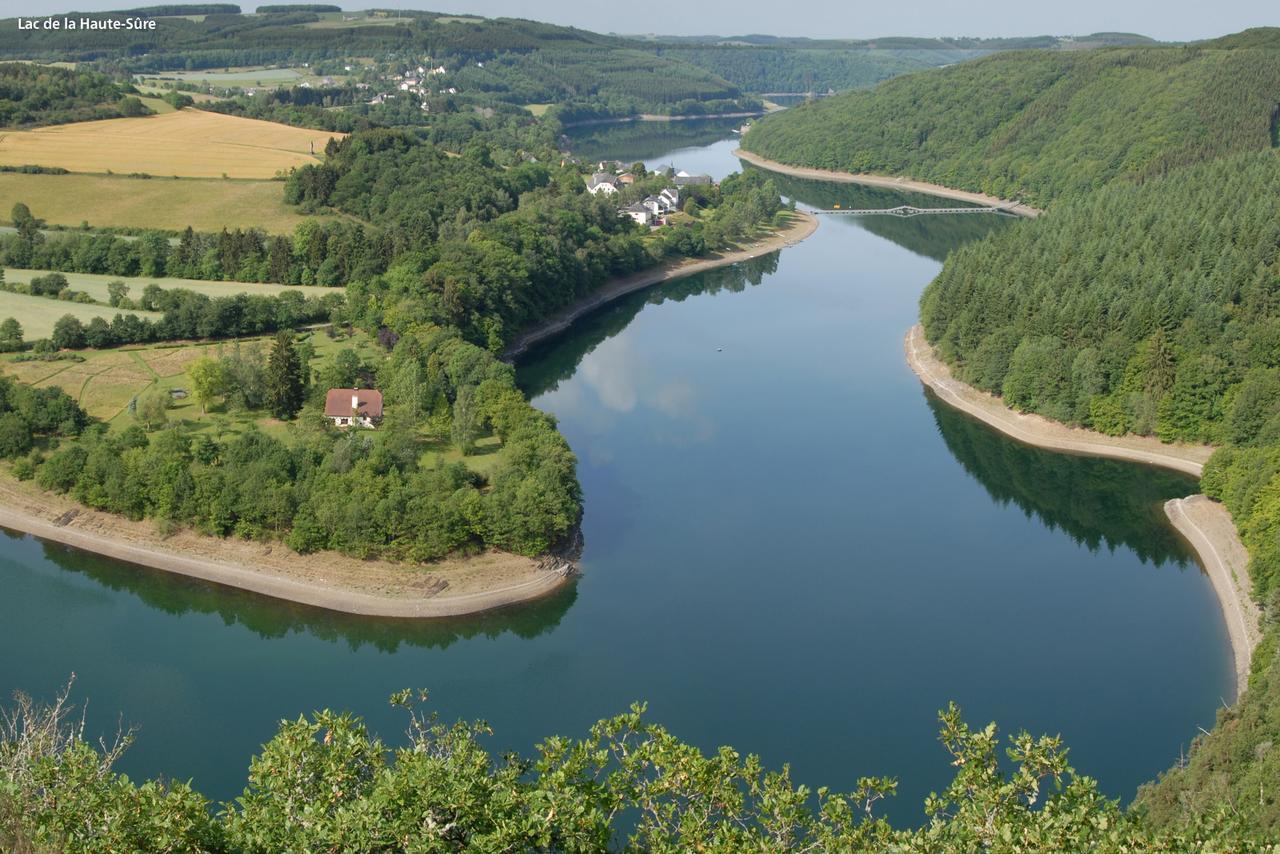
{"x":776,"y":64}
{"x":1035,"y":125}
{"x":508,"y":60}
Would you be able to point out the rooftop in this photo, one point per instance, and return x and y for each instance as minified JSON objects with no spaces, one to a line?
{"x":337,"y":402}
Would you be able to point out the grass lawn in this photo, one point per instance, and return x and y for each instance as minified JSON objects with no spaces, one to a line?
{"x":38,"y":314}
{"x":538,"y":109}
{"x":117,"y":201}
{"x":96,"y":286}
{"x":188,"y":143}
{"x":158,"y":105}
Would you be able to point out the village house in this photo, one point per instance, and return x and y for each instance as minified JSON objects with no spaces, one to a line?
{"x":602,"y":182}
{"x":347,"y":407}
{"x":626,"y":179}
{"x":639,"y":212}
{"x":683,"y":179}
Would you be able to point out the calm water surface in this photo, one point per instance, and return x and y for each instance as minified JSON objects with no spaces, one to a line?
{"x":790,"y":547}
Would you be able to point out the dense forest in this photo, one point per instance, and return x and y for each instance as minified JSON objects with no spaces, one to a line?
{"x":32,"y":95}
{"x":1144,"y":309}
{"x":1037,"y":125}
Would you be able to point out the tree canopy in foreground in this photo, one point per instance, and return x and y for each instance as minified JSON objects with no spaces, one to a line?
{"x":326,"y":783}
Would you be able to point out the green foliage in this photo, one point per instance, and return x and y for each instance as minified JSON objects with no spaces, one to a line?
{"x":152,"y":408}
{"x":208,"y":380}
{"x":68,"y":333}
{"x":1124,"y":312}
{"x":325,"y":783}
{"x":283,"y":381}
{"x":32,"y":95}
{"x":10,"y":335}
{"x":490,"y":250}
{"x":1039,"y":125}
{"x":366,"y":494}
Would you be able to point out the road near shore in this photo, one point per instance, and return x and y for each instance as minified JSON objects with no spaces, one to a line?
{"x":1204,"y":524}
{"x":885,"y":181}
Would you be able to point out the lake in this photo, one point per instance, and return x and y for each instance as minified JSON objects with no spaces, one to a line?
{"x":790,"y":547}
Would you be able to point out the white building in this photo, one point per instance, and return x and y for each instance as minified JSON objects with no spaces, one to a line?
{"x":602,"y":182}
{"x":638,"y":212}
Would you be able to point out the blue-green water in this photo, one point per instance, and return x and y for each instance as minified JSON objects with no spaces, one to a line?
{"x":789,"y":548}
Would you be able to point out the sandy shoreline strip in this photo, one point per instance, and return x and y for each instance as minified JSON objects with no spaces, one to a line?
{"x":801,"y":226}
{"x":1207,"y":526}
{"x":1039,"y":431}
{"x":886,"y":181}
{"x":327,"y":580}
{"x":1204,"y":524}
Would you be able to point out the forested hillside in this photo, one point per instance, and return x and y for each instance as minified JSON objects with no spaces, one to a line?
{"x":41,"y":95}
{"x":1038,"y":125}
{"x":1136,"y":308}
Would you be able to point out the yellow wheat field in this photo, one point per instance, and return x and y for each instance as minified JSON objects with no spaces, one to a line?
{"x":188,"y":143}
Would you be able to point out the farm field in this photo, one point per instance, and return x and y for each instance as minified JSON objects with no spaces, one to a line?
{"x":344,"y":20}
{"x":117,"y":201}
{"x":160,"y":91}
{"x":236,"y":76}
{"x":38,"y":314}
{"x":187,"y":143}
{"x":96,"y":285}
{"x":247,"y":77}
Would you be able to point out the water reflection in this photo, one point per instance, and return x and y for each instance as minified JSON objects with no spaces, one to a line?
{"x":273,"y":618}
{"x":645,"y":140}
{"x":545,"y":366}
{"x":1097,"y":502}
{"x":930,"y":236}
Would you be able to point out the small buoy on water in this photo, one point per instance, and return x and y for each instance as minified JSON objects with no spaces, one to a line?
{"x":719,"y":349}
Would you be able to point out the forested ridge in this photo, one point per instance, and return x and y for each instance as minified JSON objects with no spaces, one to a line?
{"x":1039,"y":125}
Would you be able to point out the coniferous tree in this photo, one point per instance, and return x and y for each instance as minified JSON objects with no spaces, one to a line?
{"x":284,"y":378}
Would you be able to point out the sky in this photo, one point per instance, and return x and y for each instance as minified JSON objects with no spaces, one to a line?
{"x":1179,"y":20}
